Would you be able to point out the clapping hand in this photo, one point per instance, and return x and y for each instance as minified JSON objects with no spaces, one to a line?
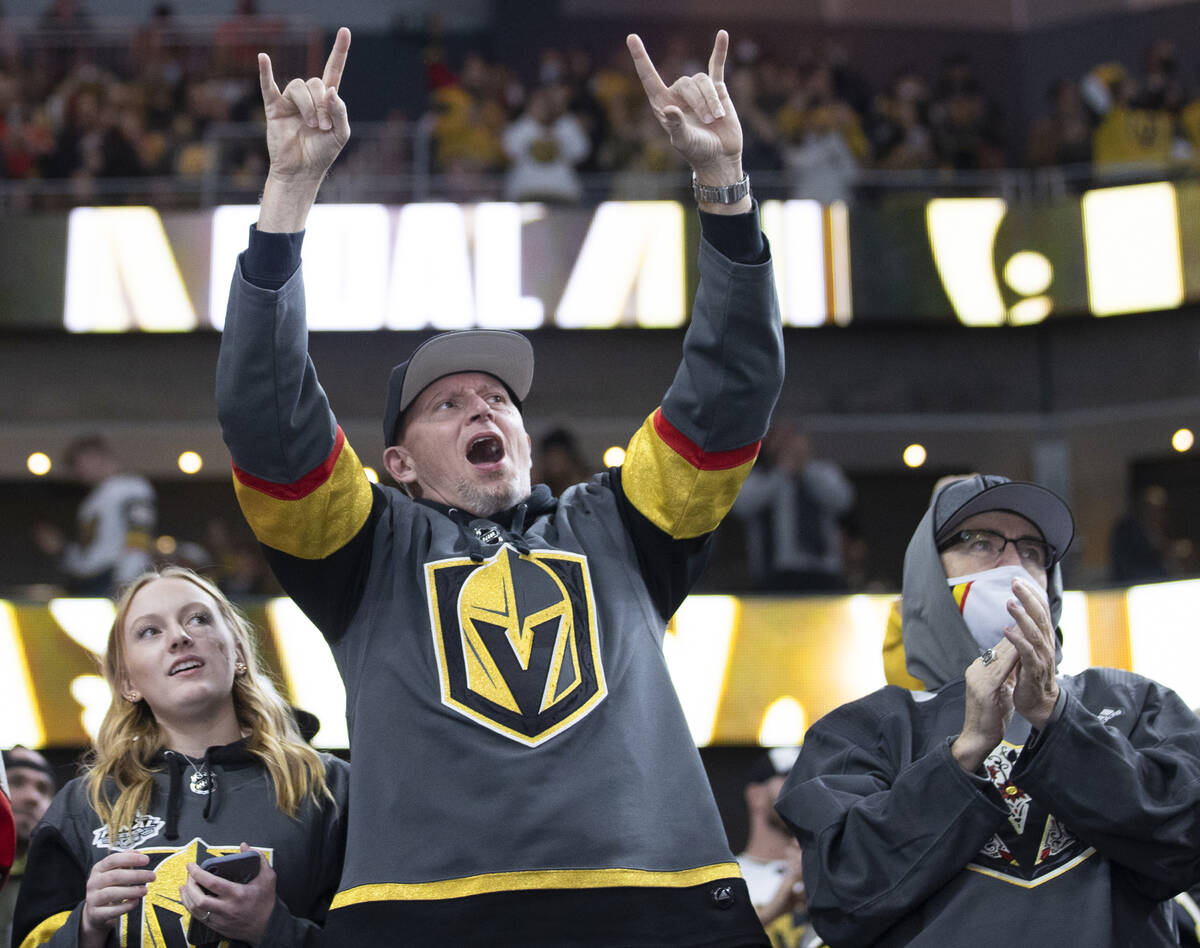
{"x":1035,"y":691}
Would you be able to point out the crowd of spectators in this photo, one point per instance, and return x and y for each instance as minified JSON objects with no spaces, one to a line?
{"x":84,"y":104}
{"x":84,"y":109}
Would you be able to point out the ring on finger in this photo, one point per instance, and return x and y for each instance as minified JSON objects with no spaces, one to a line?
{"x":988,"y":655}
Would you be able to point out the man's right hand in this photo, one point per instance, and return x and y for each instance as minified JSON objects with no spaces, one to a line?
{"x":989,"y":706}
{"x":307,"y":127}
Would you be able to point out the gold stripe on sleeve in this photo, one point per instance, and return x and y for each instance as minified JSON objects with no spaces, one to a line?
{"x":319,"y":523}
{"x":679,"y":498}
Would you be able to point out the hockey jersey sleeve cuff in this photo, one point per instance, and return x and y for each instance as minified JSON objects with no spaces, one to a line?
{"x":271,"y":259}
{"x":736,"y":236}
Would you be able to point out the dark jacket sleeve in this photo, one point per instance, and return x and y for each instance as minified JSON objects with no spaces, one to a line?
{"x":882,"y":827}
{"x":298,"y":481}
{"x":685,"y":464}
{"x":50,"y":901}
{"x":1140,"y":802}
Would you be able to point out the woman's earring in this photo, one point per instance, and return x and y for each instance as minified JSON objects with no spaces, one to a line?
{"x":132,"y":697}
{"x":240,"y":668}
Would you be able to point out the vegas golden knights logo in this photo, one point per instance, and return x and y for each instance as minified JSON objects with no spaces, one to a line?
{"x":160,"y":919}
{"x":1034,"y":847}
{"x":516,"y":641}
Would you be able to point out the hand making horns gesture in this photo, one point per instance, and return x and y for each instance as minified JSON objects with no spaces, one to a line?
{"x":307,"y":125}
{"x":697,"y":113}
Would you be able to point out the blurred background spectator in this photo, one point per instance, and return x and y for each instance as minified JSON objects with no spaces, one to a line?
{"x":31,"y":786}
{"x":544,"y":145}
{"x":1142,"y":548}
{"x":789,"y":506}
{"x":559,"y":461}
{"x":770,"y":862}
{"x":115,"y":524}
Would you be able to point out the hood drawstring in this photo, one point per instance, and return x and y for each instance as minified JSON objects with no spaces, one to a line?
{"x":474,"y":529}
{"x":175,"y":766}
{"x":518,"y":525}
{"x":474,"y":543}
{"x":213,"y":784}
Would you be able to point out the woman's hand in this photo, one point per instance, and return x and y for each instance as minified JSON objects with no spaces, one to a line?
{"x":115,"y":886}
{"x":238,"y":910}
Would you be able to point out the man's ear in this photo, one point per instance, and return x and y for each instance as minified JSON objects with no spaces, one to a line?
{"x":398,"y":462}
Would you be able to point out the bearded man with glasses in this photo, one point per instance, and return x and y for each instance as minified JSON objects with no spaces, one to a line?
{"x":983,"y":798}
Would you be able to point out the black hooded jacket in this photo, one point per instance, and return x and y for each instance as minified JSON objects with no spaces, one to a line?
{"x":1073,"y":835}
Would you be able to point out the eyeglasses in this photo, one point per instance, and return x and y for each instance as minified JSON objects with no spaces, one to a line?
{"x":987,"y":546}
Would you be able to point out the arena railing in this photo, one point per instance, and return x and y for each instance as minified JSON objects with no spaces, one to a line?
{"x":394,"y":163}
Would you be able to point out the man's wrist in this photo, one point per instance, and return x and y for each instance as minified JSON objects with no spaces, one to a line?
{"x":1040,"y":717}
{"x":286,"y":202}
{"x":719,"y":174}
{"x":724,"y":173}
{"x":721,"y":194}
{"x":969,"y":754}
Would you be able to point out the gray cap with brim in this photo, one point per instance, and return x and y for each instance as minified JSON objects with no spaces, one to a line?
{"x":506,"y":355}
{"x":960,"y":500}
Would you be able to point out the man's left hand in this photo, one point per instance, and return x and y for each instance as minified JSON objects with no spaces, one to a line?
{"x":1036,"y":690}
{"x":697,"y":113}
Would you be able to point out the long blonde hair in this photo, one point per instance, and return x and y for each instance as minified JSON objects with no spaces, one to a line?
{"x":130,"y":738}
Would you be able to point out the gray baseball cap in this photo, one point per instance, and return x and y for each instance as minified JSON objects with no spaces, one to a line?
{"x":964,"y":498}
{"x":506,"y":355}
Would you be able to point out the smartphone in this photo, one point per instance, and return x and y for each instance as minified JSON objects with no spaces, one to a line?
{"x":236,"y":867}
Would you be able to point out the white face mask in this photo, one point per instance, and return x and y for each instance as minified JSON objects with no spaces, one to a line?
{"x":982,"y":599}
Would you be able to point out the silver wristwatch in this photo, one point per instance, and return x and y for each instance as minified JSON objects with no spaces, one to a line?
{"x":728,"y":194}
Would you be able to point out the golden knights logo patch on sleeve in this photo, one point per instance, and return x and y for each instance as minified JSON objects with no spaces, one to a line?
{"x":516,"y":641}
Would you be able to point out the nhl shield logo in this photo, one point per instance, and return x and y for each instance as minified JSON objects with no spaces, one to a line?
{"x":516,"y":641}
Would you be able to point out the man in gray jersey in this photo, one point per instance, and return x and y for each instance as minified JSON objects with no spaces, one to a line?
{"x":523,"y":772}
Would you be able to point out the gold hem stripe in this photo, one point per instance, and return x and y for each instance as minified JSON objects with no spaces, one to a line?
{"x":533,"y":879}
{"x":46,"y":930}
{"x":1033,"y":883}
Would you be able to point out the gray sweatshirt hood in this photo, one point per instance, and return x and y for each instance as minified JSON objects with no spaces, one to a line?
{"x":938,"y":647}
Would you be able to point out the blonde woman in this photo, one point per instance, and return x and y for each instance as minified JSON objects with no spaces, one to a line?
{"x":197,"y":756}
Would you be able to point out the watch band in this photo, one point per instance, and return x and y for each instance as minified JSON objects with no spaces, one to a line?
{"x":727,"y":194}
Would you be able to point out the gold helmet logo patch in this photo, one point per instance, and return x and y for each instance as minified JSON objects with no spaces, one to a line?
{"x":516,"y":641}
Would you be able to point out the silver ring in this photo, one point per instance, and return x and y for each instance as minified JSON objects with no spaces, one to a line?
{"x":988,"y":655}
{"x":207,"y":916}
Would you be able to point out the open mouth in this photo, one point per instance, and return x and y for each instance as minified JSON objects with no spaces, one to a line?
{"x":186,"y":665}
{"x":486,"y":449}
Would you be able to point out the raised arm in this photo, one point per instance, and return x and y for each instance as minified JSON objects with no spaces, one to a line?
{"x":700,"y":119}
{"x":685,"y":464}
{"x":307,"y":127}
{"x":300,"y":485}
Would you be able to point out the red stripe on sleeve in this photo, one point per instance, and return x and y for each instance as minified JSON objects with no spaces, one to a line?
{"x":297,"y":489}
{"x":690,"y":452}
